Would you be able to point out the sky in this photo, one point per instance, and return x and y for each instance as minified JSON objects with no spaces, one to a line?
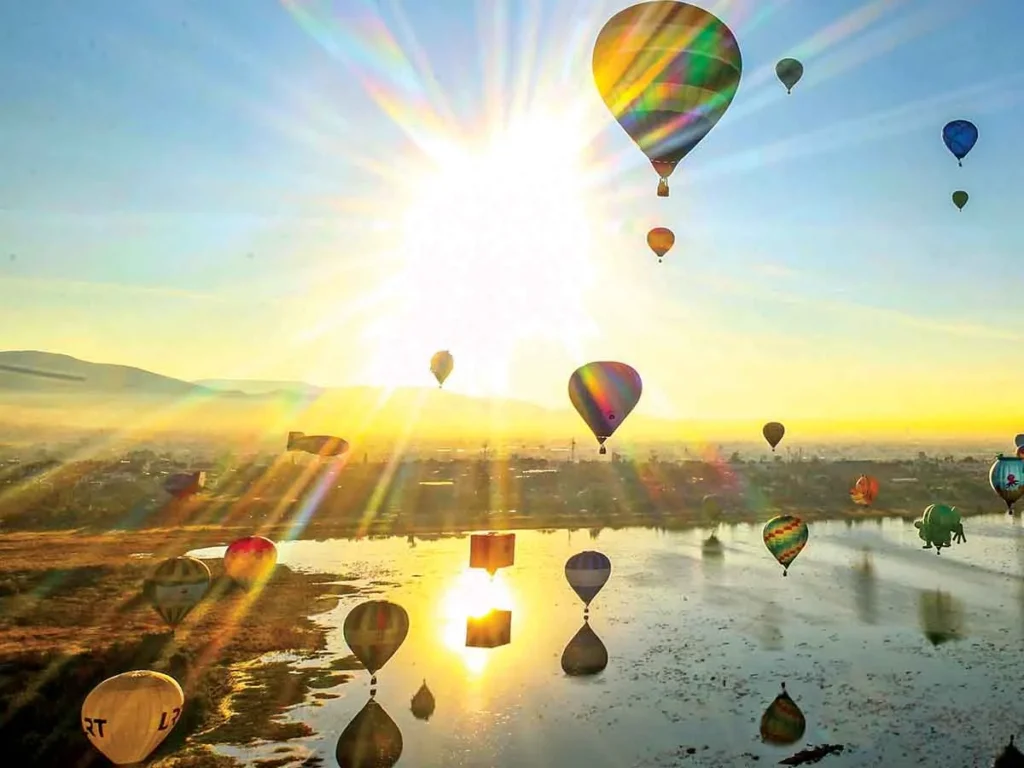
{"x":332,"y":191}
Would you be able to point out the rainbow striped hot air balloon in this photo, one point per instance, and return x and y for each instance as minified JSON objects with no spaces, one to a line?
{"x":785,"y":536}
{"x":667,"y":71}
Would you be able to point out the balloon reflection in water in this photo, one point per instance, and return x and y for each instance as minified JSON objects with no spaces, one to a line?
{"x":473,"y":595}
{"x":375,"y":630}
{"x":371,"y":740}
{"x":865,"y":588}
{"x":585,"y":654}
{"x":782,"y":723}
{"x":491,"y":630}
{"x":711,"y":548}
{"x":942,"y":617}
{"x":1010,"y":757}
{"x":422,"y":704}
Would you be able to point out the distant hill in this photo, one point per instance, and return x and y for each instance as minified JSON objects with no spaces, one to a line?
{"x":40,"y":372}
{"x":261,"y":387}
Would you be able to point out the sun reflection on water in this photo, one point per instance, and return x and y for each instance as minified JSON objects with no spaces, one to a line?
{"x":473,"y":594}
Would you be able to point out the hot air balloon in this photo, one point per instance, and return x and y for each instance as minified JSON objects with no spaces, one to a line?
{"x":441,"y":365}
{"x":184,"y":484}
{"x":938,"y":525}
{"x":711,"y":507}
{"x":587,"y":573}
{"x":250,"y":560}
{"x":960,"y":136}
{"x":585,"y":654}
{"x":1006,"y":476}
{"x":492,"y":551}
{"x":667,"y":71}
{"x":318,"y":445}
{"x":660,"y":240}
{"x":785,"y":536}
{"x":422,"y":704}
{"x":371,"y":740}
{"x":375,"y":630}
{"x":773,"y":432}
{"x":783,"y":723}
{"x":864,"y":490}
{"x":604,"y":394}
{"x":176,"y":587}
{"x":960,"y":199}
{"x":789,"y":72}
{"x":127,"y":716}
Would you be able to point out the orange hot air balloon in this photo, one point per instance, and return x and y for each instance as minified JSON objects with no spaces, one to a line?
{"x":661,"y":240}
{"x":250,"y":560}
{"x":864,"y":490}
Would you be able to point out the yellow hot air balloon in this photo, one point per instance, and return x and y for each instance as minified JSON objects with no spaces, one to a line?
{"x":441,"y":365}
{"x":667,"y":71}
{"x":127,"y":716}
{"x":177,"y":586}
{"x":660,"y":240}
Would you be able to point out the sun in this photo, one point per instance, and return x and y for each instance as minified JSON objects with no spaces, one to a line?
{"x":494,"y":254}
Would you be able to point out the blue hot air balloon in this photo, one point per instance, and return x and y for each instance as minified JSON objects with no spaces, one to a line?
{"x":960,"y":136}
{"x":587,"y":572}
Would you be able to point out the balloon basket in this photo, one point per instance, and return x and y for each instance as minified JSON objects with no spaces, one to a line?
{"x":662,"y":188}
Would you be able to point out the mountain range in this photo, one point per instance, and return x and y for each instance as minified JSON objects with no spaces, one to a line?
{"x":45,"y":386}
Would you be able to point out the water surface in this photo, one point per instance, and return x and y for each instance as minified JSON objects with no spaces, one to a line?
{"x":903,"y":656}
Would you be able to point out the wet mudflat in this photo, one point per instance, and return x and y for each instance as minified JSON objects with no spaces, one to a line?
{"x":902,"y":656}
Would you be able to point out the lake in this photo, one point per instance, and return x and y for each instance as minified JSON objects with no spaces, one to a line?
{"x":903,"y":656}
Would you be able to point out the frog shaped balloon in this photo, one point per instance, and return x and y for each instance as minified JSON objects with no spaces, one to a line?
{"x":940,"y":525}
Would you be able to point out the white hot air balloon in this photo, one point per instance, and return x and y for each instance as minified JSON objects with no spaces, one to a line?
{"x":127,"y":716}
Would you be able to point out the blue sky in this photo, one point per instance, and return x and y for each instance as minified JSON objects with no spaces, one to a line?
{"x":148,"y":147}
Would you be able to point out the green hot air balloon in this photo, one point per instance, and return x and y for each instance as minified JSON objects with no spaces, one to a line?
{"x":789,"y":72}
{"x":960,"y":199}
{"x":785,"y":536}
{"x":940,"y":525}
{"x":667,"y":71}
{"x":783,"y":723}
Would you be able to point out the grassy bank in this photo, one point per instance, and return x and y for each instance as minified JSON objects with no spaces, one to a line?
{"x":72,"y":614}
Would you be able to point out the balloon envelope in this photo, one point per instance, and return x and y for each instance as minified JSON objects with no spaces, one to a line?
{"x":441,"y":365}
{"x":783,"y":723}
{"x":177,"y":586}
{"x":250,"y":560}
{"x":667,"y":71}
{"x":127,"y":716}
{"x":587,"y":573}
{"x":711,"y":506}
{"x":773,"y":432}
{"x":371,"y":740}
{"x":184,"y":484}
{"x":785,"y":536}
{"x":660,"y":240}
{"x":1006,"y":476}
{"x":422,"y":704}
{"x":789,"y":71}
{"x":604,"y":394}
{"x":864,"y":490}
{"x":960,"y":136}
{"x":585,"y":654}
{"x":960,"y":199}
{"x":375,"y":630}
{"x":319,"y":445}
